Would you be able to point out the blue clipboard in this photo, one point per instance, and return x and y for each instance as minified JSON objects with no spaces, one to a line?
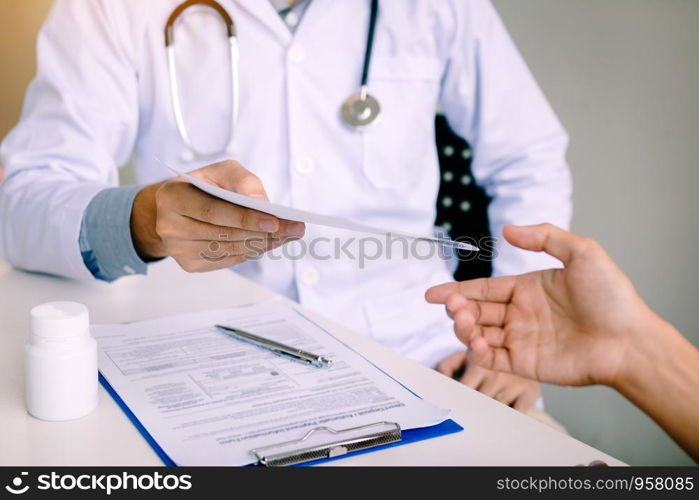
{"x":409,"y":436}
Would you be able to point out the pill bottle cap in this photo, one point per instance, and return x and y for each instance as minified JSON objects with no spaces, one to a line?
{"x":60,"y":320}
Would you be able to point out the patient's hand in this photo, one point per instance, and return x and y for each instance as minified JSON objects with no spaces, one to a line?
{"x":514,"y":391}
{"x":568,"y":326}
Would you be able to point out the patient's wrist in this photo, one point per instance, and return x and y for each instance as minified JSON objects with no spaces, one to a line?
{"x":650,"y":351}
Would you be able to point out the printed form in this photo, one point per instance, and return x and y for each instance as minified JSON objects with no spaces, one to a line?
{"x":208,"y":399}
{"x":295,"y":214}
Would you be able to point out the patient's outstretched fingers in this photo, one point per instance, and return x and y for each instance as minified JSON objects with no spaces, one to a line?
{"x":454,"y":303}
{"x":464,"y":323}
{"x":438,"y":294}
{"x":492,"y":358}
{"x":489,"y":289}
{"x":488,"y":313}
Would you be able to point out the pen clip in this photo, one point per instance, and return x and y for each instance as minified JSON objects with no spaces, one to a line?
{"x":292,"y":355}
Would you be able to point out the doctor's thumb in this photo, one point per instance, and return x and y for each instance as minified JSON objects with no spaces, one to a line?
{"x":233,"y":176}
{"x":251,"y":185}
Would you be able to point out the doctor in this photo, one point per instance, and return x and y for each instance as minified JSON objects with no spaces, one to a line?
{"x":275,"y":98}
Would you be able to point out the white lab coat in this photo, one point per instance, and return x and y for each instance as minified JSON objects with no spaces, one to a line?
{"x":101,"y":97}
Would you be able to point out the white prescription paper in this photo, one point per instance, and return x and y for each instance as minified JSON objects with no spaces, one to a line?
{"x":295,"y":214}
{"x":208,"y":399}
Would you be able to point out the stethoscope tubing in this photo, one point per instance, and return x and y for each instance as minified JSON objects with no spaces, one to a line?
{"x":361,"y":98}
{"x":373,"y":16}
{"x":234,"y":54}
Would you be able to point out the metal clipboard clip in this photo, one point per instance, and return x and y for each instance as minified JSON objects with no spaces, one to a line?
{"x":314,"y":445}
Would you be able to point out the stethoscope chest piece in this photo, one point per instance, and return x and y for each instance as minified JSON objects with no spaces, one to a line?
{"x":360,"y":109}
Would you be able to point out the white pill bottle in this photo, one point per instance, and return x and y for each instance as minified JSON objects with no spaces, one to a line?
{"x":61,"y":363}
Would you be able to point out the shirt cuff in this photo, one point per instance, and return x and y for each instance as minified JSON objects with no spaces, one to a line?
{"x":105,"y":235}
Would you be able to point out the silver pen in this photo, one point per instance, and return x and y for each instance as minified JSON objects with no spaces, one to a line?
{"x":277,"y":348}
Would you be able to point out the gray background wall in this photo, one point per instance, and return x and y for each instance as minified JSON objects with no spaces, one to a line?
{"x":623,"y":76}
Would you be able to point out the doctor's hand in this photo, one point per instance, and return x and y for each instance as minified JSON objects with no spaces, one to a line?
{"x":201,"y":232}
{"x":511,"y":390}
{"x":568,"y":326}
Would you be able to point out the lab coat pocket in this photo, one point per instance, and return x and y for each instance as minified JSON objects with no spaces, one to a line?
{"x":401,"y":140}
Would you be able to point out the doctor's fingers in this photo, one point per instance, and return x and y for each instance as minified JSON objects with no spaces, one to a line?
{"x":453,"y":364}
{"x":521,"y":396}
{"x":215,"y":251}
{"x":493,"y":385}
{"x":176,"y":226}
{"x":473,"y":376}
{"x":526,"y":400}
{"x":185,"y":199}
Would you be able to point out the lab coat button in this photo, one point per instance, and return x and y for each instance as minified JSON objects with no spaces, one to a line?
{"x":291,"y":19}
{"x":310,"y":276}
{"x":305,"y":165}
{"x":187,"y":155}
{"x":296,"y":53}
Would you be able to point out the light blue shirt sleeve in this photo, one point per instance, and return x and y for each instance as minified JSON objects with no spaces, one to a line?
{"x":105,"y":239}
{"x":105,"y":233}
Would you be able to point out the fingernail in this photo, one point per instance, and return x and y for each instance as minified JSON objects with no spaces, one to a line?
{"x":296,"y":229}
{"x":269,"y":225}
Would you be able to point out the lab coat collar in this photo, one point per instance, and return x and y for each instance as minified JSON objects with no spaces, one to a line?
{"x":313,"y":19}
{"x":265,"y":13}
{"x":270,"y":18}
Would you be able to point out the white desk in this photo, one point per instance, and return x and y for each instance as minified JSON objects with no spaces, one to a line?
{"x":494,"y":434}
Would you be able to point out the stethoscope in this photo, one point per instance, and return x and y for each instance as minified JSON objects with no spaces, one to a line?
{"x":358,"y":110}
{"x":361,"y":108}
